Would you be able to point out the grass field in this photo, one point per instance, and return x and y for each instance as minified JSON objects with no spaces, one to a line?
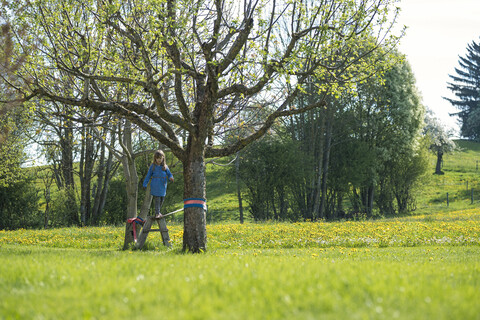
{"x":426,"y":267}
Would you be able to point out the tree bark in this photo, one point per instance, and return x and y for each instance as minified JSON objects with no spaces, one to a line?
{"x":147,"y":202}
{"x":105,"y":174}
{"x":86,"y":172}
{"x":47,"y":207}
{"x":194,"y":233}
{"x":438,"y":168}
{"x":98,"y":188}
{"x":239,"y":193}
{"x":317,"y":190}
{"x":326,"y":163}
{"x":66,"y":165}
{"x":66,"y":146}
{"x":131,"y":181}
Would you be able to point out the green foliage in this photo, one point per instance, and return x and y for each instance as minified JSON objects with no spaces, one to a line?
{"x":395,"y":117}
{"x":136,"y":52}
{"x":12,"y":143}
{"x":358,"y":143}
{"x":402,"y":177}
{"x":19,"y":205}
{"x":270,"y":170}
{"x":64,"y":208}
{"x":116,"y":204}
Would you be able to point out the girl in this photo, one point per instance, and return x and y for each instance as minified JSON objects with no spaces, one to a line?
{"x":159,"y":173}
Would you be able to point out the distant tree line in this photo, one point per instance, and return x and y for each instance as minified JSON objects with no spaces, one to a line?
{"x":360,"y":156}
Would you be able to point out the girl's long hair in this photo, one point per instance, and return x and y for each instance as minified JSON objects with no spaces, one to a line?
{"x":158,"y":154}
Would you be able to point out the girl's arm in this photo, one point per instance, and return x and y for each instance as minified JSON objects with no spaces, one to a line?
{"x":170,"y":175}
{"x":149,"y":175}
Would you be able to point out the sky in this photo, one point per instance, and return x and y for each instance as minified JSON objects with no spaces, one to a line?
{"x":438,"y":33}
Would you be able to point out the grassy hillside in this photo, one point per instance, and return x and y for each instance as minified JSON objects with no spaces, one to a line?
{"x":462,"y":172}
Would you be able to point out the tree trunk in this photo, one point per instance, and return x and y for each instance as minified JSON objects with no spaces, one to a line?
{"x":86,"y":172}
{"x":66,"y":161}
{"x":131,"y":181}
{"x":47,"y":207}
{"x":147,"y":202}
{"x":66,"y":167}
{"x":98,"y":189}
{"x":320,"y":160}
{"x":371,"y":192}
{"x":326,"y":163}
{"x":194,"y":232}
{"x":239,"y":193}
{"x":105,"y":173}
{"x":438,"y":169}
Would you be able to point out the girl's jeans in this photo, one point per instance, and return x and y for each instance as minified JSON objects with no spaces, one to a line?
{"x":158,"y":204}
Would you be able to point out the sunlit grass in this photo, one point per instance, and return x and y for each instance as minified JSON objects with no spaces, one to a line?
{"x":453,"y":228}
{"x":419,"y":267}
{"x":435,"y":282}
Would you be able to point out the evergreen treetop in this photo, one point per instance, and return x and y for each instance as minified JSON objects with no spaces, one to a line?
{"x":466,"y":87}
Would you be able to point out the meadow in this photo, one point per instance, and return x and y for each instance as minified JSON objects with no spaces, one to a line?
{"x":387,"y":269}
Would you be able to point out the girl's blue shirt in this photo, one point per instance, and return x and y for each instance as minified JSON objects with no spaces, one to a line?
{"x":158,"y":187}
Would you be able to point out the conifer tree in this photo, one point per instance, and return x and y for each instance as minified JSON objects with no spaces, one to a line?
{"x":466,"y":87}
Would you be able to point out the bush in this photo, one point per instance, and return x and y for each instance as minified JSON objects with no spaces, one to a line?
{"x":116,"y":203}
{"x":270,"y":170}
{"x":64,"y":209}
{"x":19,"y":206}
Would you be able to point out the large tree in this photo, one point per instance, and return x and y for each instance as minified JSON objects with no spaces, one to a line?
{"x":194,"y":64}
{"x":466,"y":87}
